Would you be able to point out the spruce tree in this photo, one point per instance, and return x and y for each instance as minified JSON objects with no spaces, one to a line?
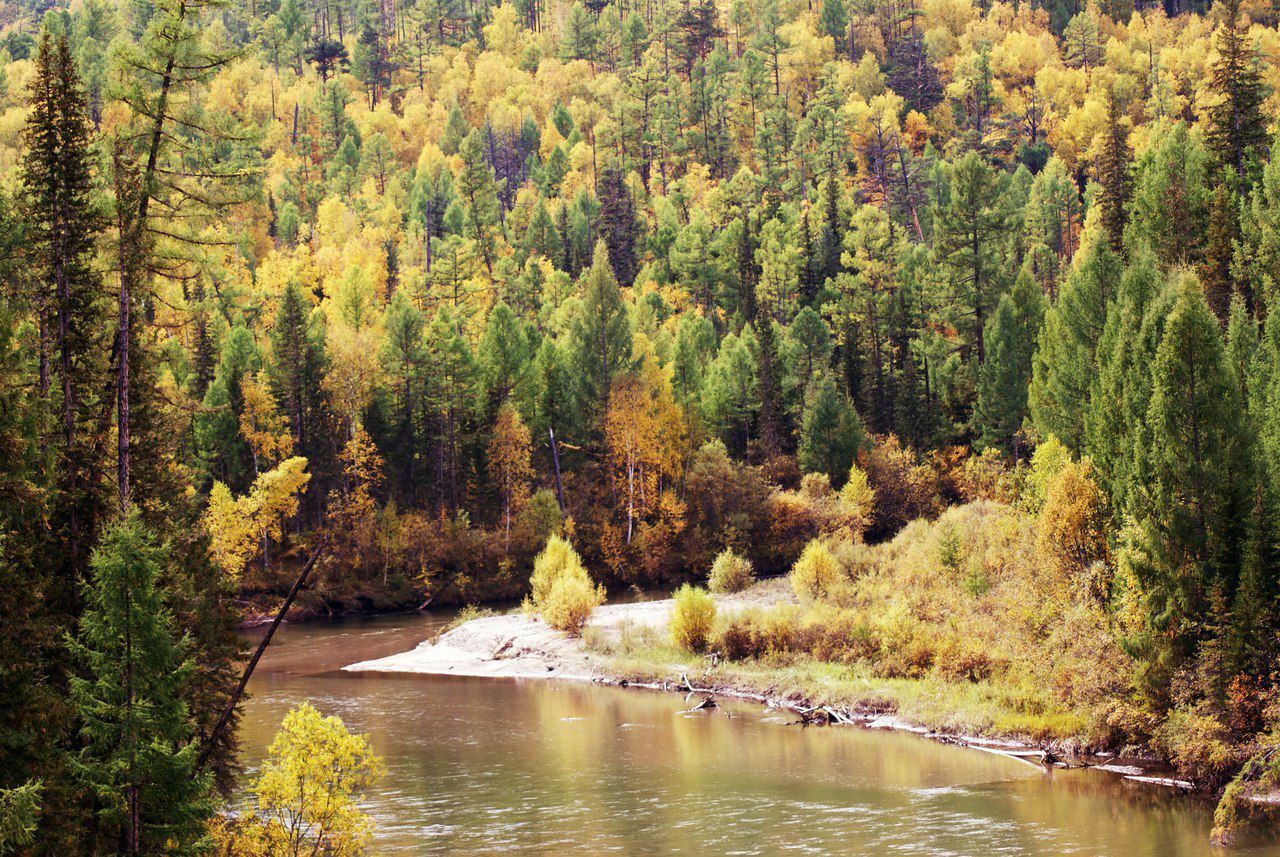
{"x":1114,"y":170}
{"x":138,"y":757}
{"x":617,"y":224}
{"x":63,"y":223}
{"x":1238,"y":128}
{"x":479,"y":193}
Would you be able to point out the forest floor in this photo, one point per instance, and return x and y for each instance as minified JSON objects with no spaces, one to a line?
{"x":626,"y":645}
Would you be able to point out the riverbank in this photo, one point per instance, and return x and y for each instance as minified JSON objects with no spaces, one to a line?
{"x":626,"y":645}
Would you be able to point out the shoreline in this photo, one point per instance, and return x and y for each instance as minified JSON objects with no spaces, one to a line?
{"x":519,"y":646}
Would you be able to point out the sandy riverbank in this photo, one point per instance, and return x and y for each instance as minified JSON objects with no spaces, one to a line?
{"x":516,"y":645}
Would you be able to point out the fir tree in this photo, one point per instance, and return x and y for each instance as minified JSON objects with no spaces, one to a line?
{"x":63,"y":223}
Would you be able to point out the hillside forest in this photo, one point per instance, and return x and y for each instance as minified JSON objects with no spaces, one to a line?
{"x":438,"y":280}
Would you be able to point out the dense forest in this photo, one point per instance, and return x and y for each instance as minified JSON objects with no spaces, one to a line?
{"x":442,"y":279}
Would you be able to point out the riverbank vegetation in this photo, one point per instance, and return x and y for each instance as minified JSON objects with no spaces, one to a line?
{"x":959,"y":313}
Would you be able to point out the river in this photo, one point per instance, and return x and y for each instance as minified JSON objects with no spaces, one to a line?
{"x":489,"y":766}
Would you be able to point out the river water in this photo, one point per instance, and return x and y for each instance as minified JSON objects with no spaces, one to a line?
{"x":486,"y":766}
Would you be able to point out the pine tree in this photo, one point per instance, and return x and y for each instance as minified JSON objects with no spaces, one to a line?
{"x":138,"y":756}
{"x":1114,"y":170}
{"x":833,"y":21}
{"x":601,"y":336}
{"x":1238,"y":127}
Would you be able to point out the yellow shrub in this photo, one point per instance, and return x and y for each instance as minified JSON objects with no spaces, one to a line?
{"x":561,"y":590}
{"x":730,"y":573}
{"x":569,"y":603}
{"x":692,"y":617}
{"x":816,"y":573}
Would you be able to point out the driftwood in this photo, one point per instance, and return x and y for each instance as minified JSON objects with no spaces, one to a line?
{"x":218,"y":728}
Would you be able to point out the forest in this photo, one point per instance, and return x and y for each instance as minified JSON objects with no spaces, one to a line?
{"x":425,"y":284}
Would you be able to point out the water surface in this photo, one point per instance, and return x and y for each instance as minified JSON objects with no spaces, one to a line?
{"x":487,"y":766}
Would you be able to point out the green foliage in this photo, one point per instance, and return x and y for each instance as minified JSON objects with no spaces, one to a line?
{"x":138,"y":757}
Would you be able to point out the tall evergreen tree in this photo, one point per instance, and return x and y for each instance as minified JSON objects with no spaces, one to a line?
{"x":1004,"y":376}
{"x":618,"y":226}
{"x":970,"y":231}
{"x":63,"y":224}
{"x":601,"y":336}
{"x":1114,"y":170}
{"x":138,"y":757}
{"x":1238,"y":128}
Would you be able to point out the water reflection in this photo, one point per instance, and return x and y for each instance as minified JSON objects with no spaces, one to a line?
{"x":489,"y":766}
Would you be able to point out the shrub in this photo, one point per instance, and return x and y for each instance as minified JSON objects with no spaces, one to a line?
{"x":730,"y":573}
{"x":561,"y":591}
{"x":569,"y":603}
{"x":858,"y":499}
{"x":816,"y":574}
{"x":692,"y":618}
{"x":1073,"y":525}
{"x":905,"y":488}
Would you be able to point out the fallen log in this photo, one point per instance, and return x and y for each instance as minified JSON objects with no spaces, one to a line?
{"x":218,"y":728}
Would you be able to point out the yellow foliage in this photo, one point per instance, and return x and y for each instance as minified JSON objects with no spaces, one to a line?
{"x":693,"y":615}
{"x":730,"y":573}
{"x":816,"y":573}
{"x":236,"y":527}
{"x":561,"y":591}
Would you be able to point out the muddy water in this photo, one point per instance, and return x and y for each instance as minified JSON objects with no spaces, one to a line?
{"x":484,"y":766}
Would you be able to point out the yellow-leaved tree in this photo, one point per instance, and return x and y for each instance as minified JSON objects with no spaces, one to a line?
{"x":509,"y":461}
{"x":237,"y":526}
{"x":308,"y":793}
{"x":262,"y":425}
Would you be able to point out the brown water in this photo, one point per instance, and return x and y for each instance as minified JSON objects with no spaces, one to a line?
{"x":482,"y":766}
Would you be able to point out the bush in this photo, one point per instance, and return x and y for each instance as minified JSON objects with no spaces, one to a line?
{"x":730,"y":573}
{"x":816,"y":575}
{"x":569,"y":603}
{"x":561,"y":591}
{"x":692,"y":618}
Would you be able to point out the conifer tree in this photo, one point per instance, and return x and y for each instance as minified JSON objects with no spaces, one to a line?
{"x":1192,"y":512}
{"x":601,"y":336}
{"x":618,"y":225}
{"x":1238,"y":128}
{"x":479,"y":192}
{"x":1114,"y":171}
{"x":1219,"y":251}
{"x":831,"y":432}
{"x":63,"y":223}
{"x":1063,"y":368}
{"x":970,"y":229}
{"x":138,"y":756}
{"x":1003,"y":378}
